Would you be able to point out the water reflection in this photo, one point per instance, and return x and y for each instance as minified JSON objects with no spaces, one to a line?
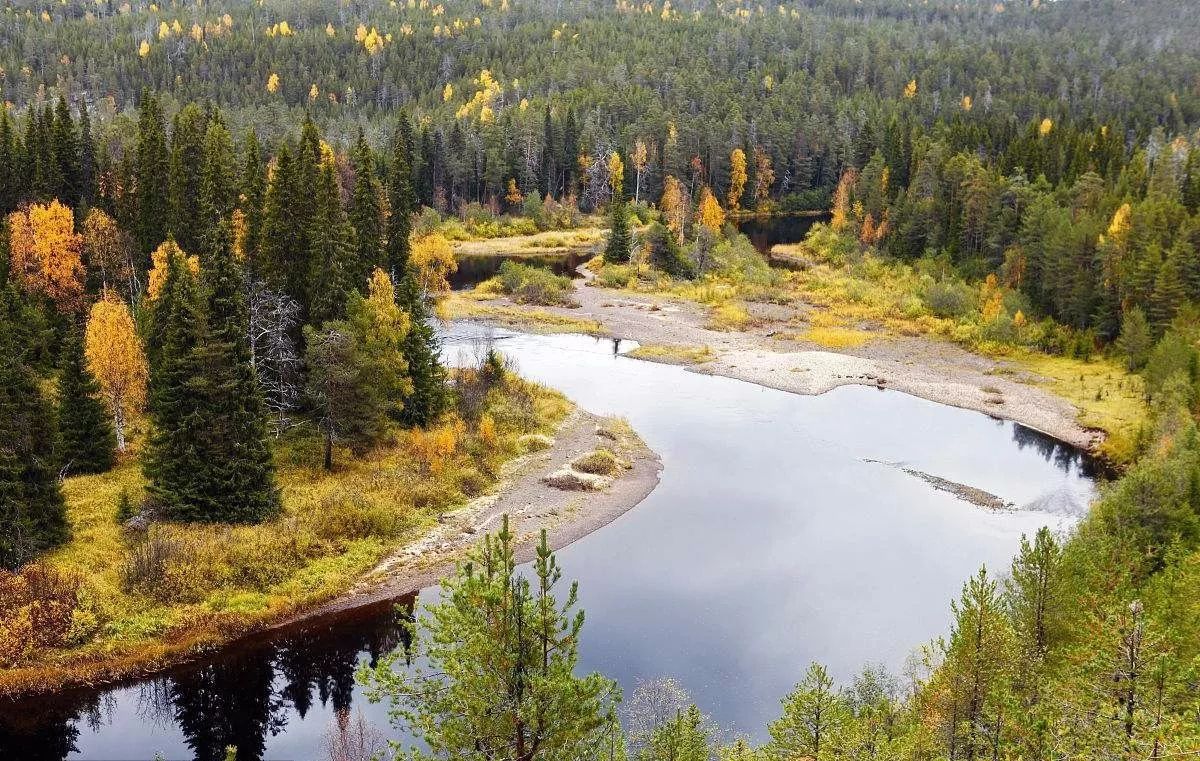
{"x":773,"y":539}
{"x":243,"y":698}
{"x":473,"y":270}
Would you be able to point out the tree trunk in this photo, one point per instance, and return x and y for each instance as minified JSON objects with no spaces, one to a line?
{"x":329,"y":451}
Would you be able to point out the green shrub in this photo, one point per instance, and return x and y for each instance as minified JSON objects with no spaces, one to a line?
{"x":533,"y":285}
{"x":950,"y":298}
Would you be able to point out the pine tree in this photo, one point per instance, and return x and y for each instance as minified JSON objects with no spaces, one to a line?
{"x":10,"y":180}
{"x":253,"y":193}
{"x":402,"y":203}
{"x":331,"y":258}
{"x":218,"y":185}
{"x":170,"y":458}
{"x":87,"y":159}
{"x":620,"y":239}
{"x":365,"y":215}
{"x":152,"y":191}
{"x":87,"y":440}
{"x":421,"y":347}
{"x":234,"y":476}
{"x":66,"y":153}
{"x":32,"y":510}
{"x":186,"y":171}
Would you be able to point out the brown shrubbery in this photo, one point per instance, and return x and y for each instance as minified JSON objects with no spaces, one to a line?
{"x":39,"y":604}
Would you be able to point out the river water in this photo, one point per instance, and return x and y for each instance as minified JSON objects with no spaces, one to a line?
{"x":784,"y":530}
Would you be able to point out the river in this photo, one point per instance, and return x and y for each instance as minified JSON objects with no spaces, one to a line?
{"x":785,"y":529}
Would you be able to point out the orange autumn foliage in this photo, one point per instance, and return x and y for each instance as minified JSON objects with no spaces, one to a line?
{"x":158,"y":266}
{"x":114,"y":355}
{"x":47,"y":254}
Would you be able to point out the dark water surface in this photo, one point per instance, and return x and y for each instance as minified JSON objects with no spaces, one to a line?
{"x":473,"y":270}
{"x":778,"y":535}
{"x":765,"y":232}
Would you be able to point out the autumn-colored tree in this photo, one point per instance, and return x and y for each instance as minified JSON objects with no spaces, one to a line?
{"x":358,"y":376}
{"x":737,"y":178}
{"x":115,"y":357}
{"x":764,"y":176}
{"x":513,"y":196}
{"x":160,"y":262}
{"x":432,"y":260}
{"x":109,"y":252}
{"x":841,"y":200}
{"x":46,"y":253}
{"x":675,"y":205}
{"x":639,"y":158}
{"x":616,"y":174}
{"x":709,"y":212}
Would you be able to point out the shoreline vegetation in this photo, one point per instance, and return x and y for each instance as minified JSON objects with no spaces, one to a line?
{"x":452,"y":483}
{"x":808,"y":332}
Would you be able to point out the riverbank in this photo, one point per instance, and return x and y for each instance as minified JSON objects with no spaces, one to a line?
{"x":775,"y":345}
{"x":531,"y":503}
{"x":380,"y":525}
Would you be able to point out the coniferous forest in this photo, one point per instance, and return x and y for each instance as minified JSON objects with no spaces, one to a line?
{"x":225,"y":247}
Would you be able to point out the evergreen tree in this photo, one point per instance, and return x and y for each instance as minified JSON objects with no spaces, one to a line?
{"x":253,"y":193}
{"x":365,"y":215}
{"x":87,"y":159}
{"x":10,"y":176}
{"x":331,"y":257}
{"x":421,"y":347}
{"x":403,"y":204}
{"x":170,"y":458}
{"x":620,"y":238}
{"x":66,"y":154}
{"x":32,"y":510}
{"x":218,"y":185}
{"x":234,"y":476}
{"x":87,"y":440}
{"x":502,"y":654}
{"x":151,"y":179}
{"x":187,"y":165}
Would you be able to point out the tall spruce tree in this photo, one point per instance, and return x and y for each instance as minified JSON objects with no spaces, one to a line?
{"x":171,"y":458}
{"x":365,"y":215}
{"x":66,"y":153}
{"x":421,"y":347}
{"x":235,"y":480}
{"x":218,"y":182}
{"x":32,"y":511}
{"x":87,"y":158}
{"x":330,"y":252}
{"x":151,"y":189}
{"x":253,"y":192}
{"x":186,"y":172}
{"x":87,"y":440}
{"x":620,"y":239}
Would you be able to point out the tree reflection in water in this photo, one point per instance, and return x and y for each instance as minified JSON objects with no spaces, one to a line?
{"x":240,"y":697}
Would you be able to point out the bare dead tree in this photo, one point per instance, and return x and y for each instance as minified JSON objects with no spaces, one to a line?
{"x":274,"y":318}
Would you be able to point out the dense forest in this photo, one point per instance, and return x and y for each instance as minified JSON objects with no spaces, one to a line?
{"x":217,"y":214}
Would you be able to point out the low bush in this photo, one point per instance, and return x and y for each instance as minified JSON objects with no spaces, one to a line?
{"x":532,"y":285}
{"x":39,"y":604}
{"x":600,"y":462}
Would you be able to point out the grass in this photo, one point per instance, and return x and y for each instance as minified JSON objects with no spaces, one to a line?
{"x":836,"y":338}
{"x":219,"y":581}
{"x":729,"y":315}
{"x":600,"y":462}
{"x":1108,"y":398}
{"x":470,"y":305}
{"x":673,"y":354}
{"x":540,"y":243}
